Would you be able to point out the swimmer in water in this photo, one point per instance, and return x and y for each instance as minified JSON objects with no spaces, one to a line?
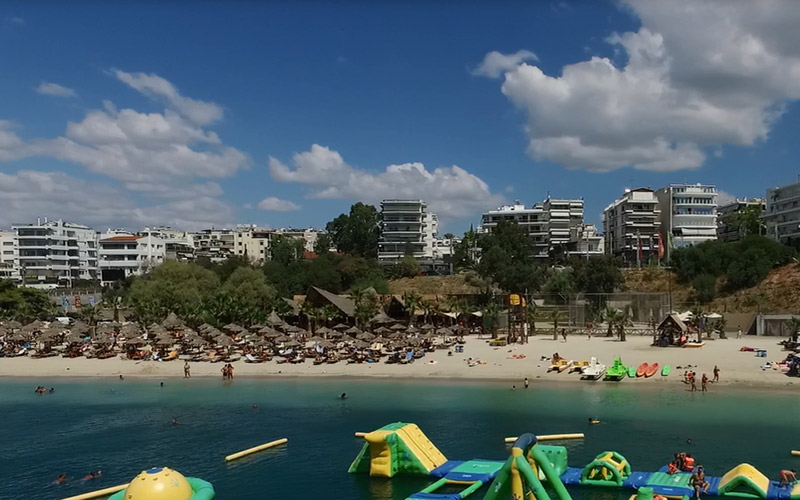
{"x":162,"y":384}
{"x":343,"y":396}
{"x":255,"y":406}
{"x":689,"y":441}
{"x":92,"y":475}
{"x":175,"y":421}
{"x":62,"y":478}
{"x":593,"y":420}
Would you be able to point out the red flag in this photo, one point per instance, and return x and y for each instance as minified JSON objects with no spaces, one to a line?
{"x":660,"y":247}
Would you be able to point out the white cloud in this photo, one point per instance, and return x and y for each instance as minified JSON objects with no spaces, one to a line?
{"x":495,"y":63}
{"x":698,"y":75}
{"x":449,"y":191}
{"x":274,"y":204}
{"x":724,"y":198}
{"x":199,"y":112}
{"x":27,"y":194}
{"x":54,"y":89}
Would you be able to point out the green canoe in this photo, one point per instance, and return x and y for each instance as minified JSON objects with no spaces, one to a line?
{"x":665,"y":371}
{"x":632,"y":372}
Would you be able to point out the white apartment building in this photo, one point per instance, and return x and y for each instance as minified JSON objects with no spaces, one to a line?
{"x":179,"y":244}
{"x":214,"y":244}
{"x":688,"y":214}
{"x":7,"y":256}
{"x":124,"y":254}
{"x":50,"y":254}
{"x":549,"y":224}
{"x":727,"y":230}
{"x":585,"y":241}
{"x":406,"y":227}
{"x":631,"y":223}
{"x":782,"y":214}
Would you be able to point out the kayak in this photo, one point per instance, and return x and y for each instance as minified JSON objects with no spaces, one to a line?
{"x":631,"y":372}
{"x":651,"y":370}
{"x":642,"y":370}
{"x":665,"y":371}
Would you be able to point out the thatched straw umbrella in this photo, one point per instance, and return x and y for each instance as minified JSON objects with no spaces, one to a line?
{"x":427,"y":326}
{"x":323,"y":330}
{"x":365,"y":336}
{"x":274,"y":319}
{"x":135,"y":342}
{"x":173,"y":322}
{"x":13,"y":325}
{"x":398,"y":327}
{"x":341,"y":326}
{"x":35,"y":326}
{"x":352,"y":331}
{"x":382,"y":329}
{"x":412,"y":329}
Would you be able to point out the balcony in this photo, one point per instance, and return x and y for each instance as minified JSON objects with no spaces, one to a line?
{"x":119,"y":264}
{"x":133,"y":251}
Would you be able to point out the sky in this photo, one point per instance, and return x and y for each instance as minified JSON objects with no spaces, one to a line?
{"x":210,"y":114}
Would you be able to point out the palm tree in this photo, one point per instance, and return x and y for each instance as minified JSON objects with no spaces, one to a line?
{"x":453,"y":304}
{"x":698,"y":319}
{"x":623,"y":320}
{"x":530,"y":317}
{"x":430,"y":308}
{"x":492,"y":312}
{"x":366,"y":306}
{"x":611,"y":317}
{"x":794,"y":325}
{"x":556,"y":315}
{"x":412,"y":302}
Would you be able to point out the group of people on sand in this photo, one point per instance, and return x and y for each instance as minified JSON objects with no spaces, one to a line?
{"x":227,"y":372}
{"x":43,"y":390}
{"x":690,"y":378}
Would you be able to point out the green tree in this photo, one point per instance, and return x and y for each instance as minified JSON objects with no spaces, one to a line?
{"x":285,"y":250}
{"x":465,"y":251}
{"x":597,"y":277}
{"x":610,"y":316}
{"x":412,"y":302}
{"x":356,"y":233}
{"x":323,"y":244}
{"x":556,"y":316}
{"x":561,"y":286}
{"x":248,"y":296}
{"x":748,"y":221}
{"x":491,"y":313}
{"x":507,"y":259}
{"x":23,"y":304}
{"x":366,"y":306}
{"x":171,"y":287}
{"x":407,"y":267}
{"x":705,"y":288}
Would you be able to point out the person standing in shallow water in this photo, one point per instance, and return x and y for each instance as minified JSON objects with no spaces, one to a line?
{"x":187,"y":370}
{"x":526,"y":382}
{"x":716,"y":374}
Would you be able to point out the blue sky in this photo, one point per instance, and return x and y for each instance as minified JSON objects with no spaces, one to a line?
{"x":285,"y":113}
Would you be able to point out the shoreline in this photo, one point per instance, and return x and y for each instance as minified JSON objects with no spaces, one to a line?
{"x":509,"y":365}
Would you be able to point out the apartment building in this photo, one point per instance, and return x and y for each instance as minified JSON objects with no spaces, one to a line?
{"x":688,"y":214}
{"x":406,"y":228}
{"x":585,"y":241}
{"x":728,"y":230}
{"x":782,"y":214}
{"x":631,"y":226}
{"x":49,"y":254}
{"x":7,"y":256}
{"x":214,"y":244}
{"x":549,"y":224}
{"x":179,"y":244}
{"x":124,"y":254}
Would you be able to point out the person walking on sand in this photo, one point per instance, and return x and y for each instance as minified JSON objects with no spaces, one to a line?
{"x":564,"y":334}
{"x":739,"y":332}
{"x":716,"y":374}
{"x":526,"y":382}
{"x":704,"y":383}
{"x":693,"y":381}
{"x":187,"y":370}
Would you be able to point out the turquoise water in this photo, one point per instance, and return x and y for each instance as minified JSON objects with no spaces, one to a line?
{"x":123,"y":427}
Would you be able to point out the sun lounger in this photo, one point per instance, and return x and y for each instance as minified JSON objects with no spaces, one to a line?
{"x":249,"y":358}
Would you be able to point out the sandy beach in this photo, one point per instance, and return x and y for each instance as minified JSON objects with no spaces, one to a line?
{"x":738,"y":368}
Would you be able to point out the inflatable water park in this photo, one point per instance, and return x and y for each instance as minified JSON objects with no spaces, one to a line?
{"x":535,"y":470}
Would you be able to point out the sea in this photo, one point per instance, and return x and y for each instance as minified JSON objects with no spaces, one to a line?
{"x":125,"y":426}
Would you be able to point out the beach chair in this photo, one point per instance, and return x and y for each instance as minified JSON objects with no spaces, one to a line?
{"x":408,"y":359}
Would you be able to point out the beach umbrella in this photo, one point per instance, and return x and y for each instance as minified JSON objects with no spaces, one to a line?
{"x":412,"y":329}
{"x":18,"y":337}
{"x":326,"y":344}
{"x":233,"y":327}
{"x":164,"y":341}
{"x":316,"y":339}
{"x":34,"y":327}
{"x":398,"y":327}
{"x":256,"y":327}
{"x":13,"y":325}
{"x":382,"y":330}
{"x":73,"y":338}
{"x":294,"y":329}
{"x":172,"y":322}
{"x":352,"y":331}
{"x":102,"y":339}
{"x":3,"y":330}
{"x":334,"y":334}
{"x":323,"y":330}
{"x":224,"y":341}
{"x":341,"y":326}
{"x":427,"y":326}
{"x":444,"y":331}
{"x":283,"y":338}
{"x":204,"y":327}
{"x":292,"y":343}
{"x":136,"y":341}
{"x":365,"y":336}
{"x":104,"y":328}
{"x":196,"y":342}
{"x":397,"y":335}
{"x":273,"y":334}
{"x":360,"y":344}
{"x":414,"y":341}
{"x":380,"y":340}
{"x":274,"y":319}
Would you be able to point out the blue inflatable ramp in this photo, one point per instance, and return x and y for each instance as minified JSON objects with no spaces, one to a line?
{"x":636,"y":480}
{"x":572,"y":476}
{"x":446,"y":467}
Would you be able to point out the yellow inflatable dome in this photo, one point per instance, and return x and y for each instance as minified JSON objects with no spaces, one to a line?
{"x":159,"y":483}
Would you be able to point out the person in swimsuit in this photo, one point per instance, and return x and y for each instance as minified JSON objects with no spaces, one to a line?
{"x":62,"y":478}
{"x":788,"y":477}
{"x":175,"y":421}
{"x":698,"y":482}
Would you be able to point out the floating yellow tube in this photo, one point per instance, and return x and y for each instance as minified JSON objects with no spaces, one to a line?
{"x":796,"y":453}
{"x":360,"y":434}
{"x":255,"y":449}
{"x":551,"y":437}
{"x":98,"y":493}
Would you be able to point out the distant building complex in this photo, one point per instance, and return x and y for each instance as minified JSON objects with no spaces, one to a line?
{"x":632,"y":225}
{"x":728,"y":230}
{"x":688,"y":214}
{"x":782,"y":214}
